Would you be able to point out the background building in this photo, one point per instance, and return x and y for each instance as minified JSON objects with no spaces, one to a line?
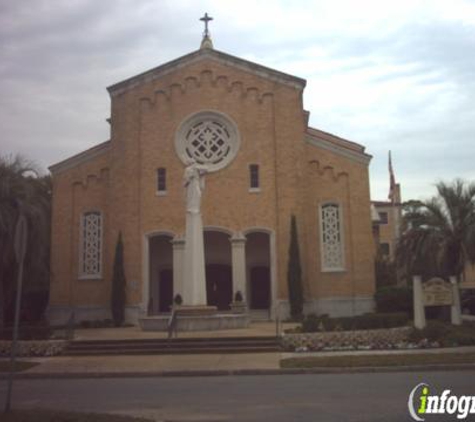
{"x":387,"y":218}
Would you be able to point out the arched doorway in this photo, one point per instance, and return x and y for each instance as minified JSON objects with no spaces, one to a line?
{"x":219,"y":284}
{"x":258,"y":264}
{"x":160,"y":274}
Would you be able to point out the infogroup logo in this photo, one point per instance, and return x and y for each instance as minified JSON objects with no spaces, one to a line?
{"x":421,"y":403}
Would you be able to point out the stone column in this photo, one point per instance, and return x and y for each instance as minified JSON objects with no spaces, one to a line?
{"x":178,"y":244}
{"x":419,"y":308}
{"x":455,"y":311}
{"x":238,"y":253}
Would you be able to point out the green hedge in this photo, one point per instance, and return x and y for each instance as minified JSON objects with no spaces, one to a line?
{"x":313,"y":323}
{"x":38,"y":331}
{"x":446,"y":335}
{"x":394,"y":299}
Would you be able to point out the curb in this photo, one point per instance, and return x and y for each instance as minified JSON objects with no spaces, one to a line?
{"x":242,"y":372}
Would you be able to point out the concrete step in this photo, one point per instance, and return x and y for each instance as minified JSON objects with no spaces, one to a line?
{"x":76,"y":346}
{"x":183,"y":340}
{"x":171,"y":351}
{"x":173,"y":346}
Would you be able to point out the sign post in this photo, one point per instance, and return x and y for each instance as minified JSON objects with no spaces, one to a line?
{"x":455,"y":309}
{"x":21,"y":236}
{"x":435,"y":292}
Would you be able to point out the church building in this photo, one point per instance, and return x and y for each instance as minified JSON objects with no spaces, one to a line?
{"x":247,"y":124}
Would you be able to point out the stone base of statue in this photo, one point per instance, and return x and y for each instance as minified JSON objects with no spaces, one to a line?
{"x":196,"y":318}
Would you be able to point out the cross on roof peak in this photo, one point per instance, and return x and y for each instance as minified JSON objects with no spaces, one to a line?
{"x":206,"y":42}
{"x":206,"y":19}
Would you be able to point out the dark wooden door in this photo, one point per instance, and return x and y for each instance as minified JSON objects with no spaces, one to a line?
{"x":219,"y":286}
{"x":260,"y":288}
{"x":165,"y":291}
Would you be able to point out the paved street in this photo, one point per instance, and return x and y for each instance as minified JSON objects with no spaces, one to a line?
{"x":332,"y":397}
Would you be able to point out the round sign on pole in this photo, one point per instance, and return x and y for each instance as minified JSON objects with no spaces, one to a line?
{"x":21,"y":234}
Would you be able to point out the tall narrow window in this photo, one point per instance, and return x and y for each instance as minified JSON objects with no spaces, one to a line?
{"x":91,"y":245}
{"x":254,"y":177}
{"x":383,"y":217}
{"x":162,"y":180}
{"x":331,"y":237}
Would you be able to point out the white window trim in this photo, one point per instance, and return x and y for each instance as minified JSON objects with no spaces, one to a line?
{"x":325,"y":269}
{"x":81,"y":275}
{"x":254,"y":190}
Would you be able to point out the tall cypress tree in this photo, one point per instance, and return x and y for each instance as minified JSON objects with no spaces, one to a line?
{"x":294,"y":273}
{"x":118,"y":285}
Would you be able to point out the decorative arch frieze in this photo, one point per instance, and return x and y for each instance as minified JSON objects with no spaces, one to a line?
{"x":206,"y":78}
{"x":327,"y":171}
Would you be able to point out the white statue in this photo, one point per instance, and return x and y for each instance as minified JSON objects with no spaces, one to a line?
{"x":194,"y":182}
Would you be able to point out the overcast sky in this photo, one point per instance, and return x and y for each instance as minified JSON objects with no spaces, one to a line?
{"x":390,"y":75}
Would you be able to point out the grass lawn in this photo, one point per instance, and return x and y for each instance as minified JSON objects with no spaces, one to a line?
{"x":377,"y":360}
{"x":19,"y":365}
{"x":56,"y":416}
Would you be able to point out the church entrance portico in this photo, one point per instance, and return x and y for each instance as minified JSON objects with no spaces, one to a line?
{"x":234,"y":262}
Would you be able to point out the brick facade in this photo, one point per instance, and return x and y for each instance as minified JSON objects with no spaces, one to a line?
{"x":300,"y":168}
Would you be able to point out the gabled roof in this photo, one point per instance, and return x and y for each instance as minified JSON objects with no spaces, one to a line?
{"x":80,"y":158}
{"x":348,"y":149}
{"x":211,"y":54}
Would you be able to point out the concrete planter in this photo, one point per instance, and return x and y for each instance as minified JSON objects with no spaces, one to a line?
{"x":238,"y":307}
{"x":196,"y":323}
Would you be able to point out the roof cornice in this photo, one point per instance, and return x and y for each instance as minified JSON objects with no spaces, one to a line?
{"x":80,"y":158}
{"x":202,"y":54}
{"x":354,"y":155}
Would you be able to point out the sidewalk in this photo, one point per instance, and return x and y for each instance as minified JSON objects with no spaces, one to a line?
{"x":201,"y":364}
{"x":220,"y":363}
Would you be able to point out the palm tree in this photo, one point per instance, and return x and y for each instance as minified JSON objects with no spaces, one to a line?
{"x":440,"y":233}
{"x":22,"y":190}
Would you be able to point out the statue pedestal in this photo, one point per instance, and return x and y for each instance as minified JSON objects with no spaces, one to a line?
{"x":194,"y":278}
{"x":197,"y":318}
{"x":195,"y":310}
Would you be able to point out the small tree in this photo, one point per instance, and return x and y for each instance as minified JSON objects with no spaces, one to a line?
{"x":294,"y":273}
{"x":118,"y":285}
{"x":440,"y":234}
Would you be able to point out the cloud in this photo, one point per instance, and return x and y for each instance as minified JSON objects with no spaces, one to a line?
{"x":396,"y":76}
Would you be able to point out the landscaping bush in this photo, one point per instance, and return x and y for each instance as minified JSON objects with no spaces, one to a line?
{"x":446,"y":335}
{"x":434,"y":331}
{"x":98,"y":323}
{"x":294,"y":273}
{"x":118,"y":284}
{"x":460,"y":337}
{"x":32,"y":331}
{"x":394,"y":299}
{"x":313,"y":323}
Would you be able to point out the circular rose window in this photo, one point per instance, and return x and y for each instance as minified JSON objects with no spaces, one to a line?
{"x":209,"y":138}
